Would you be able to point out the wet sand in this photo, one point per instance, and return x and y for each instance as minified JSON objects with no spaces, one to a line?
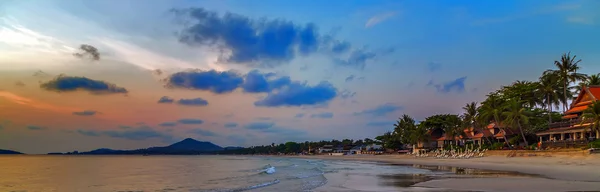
{"x":559,"y":173}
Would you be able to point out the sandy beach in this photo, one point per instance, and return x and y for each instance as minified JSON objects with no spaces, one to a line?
{"x":556,"y":173}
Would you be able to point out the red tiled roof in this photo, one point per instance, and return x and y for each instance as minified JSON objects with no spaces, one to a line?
{"x":584,"y":103}
{"x":576,"y":109}
{"x":595,"y":91}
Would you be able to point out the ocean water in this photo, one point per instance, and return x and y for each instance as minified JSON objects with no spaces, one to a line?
{"x":202,"y":174}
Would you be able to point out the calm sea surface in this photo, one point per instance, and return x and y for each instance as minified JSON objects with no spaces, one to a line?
{"x":200,"y":173}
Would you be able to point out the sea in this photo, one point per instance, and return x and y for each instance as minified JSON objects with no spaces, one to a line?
{"x":46,"y":173}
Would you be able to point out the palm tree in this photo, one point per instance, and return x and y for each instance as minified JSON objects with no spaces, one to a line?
{"x":548,"y":87}
{"x":470,"y":118}
{"x":453,"y":127}
{"x":420,"y":134}
{"x":567,"y":73}
{"x":515,"y":114}
{"x":592,"y":114}
{"x":590,"y":80}
{"x":491,"y":110}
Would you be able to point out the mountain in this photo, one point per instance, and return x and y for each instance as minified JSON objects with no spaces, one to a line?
{"x":194,"y":145}
{"x":187,"y":146}
{"x":9,"y":152}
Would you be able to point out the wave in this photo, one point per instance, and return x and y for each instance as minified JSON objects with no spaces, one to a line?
{"x":269,"y":170}
{"x":252,"y":187}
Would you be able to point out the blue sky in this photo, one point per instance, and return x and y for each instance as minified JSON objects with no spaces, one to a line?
{"x":241,"y":73}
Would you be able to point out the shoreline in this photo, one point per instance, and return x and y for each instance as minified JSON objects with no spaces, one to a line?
{"x":557,"y":173}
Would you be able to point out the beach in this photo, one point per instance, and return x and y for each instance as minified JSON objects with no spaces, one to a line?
{"x":555,"y":173}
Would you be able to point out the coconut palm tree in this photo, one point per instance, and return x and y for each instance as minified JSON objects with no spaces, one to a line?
{"x":515,"y":115}
{"x":453,"y":127}
{"x":420,"y":134}
{"x":403,"y":129}
{"x":491,"y":110}
{"x":592,"y":114}
{"x":590,"y":80}
{"x":548,"y":87}
{"x":567,"y":73}
{"x":593,"y":80}
{"x":470,"y":118}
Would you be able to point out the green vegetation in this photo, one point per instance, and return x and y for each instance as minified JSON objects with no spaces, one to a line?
{"x":523,"y":108}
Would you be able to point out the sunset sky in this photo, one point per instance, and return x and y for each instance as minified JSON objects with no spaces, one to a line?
{"x":242,"y":73}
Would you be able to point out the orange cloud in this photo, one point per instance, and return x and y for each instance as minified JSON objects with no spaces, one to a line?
{"x":35,"y":104}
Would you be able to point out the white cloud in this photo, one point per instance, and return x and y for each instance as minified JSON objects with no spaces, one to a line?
{"x":379,"y":18}
{"x":22,"y":38}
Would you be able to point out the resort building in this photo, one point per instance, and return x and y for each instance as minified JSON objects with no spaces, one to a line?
{"x":573,"y":127}
{"x":326,"y":149}
{"x":476,"y":136}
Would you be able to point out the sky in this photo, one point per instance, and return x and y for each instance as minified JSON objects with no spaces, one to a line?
{"x":243,"y":73}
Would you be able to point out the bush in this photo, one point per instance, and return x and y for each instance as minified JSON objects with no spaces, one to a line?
{"x":595,"y":144}
{"x":497,"y":146}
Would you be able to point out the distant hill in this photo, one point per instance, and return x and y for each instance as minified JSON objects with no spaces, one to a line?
{"x":9,"y":152}
{"x":194,"y":145}
{"x":187,"y":146}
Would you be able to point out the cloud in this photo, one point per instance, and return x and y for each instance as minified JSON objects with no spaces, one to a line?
{"x":35,"y":128}
{"x":258,"y":43}
{"x":433,"y":67}
{"x":379,"y":18}
{"x":88,"y":51}
{"x":165,"y":99}
{"x":88,"y":133}
{"x":339,"y":47}
{"x":357,"y":59}
{"x":85,"y":113}
{"x":457,"y":85}
{"x":190,"y":121}
{"x":35,"y":104}
{"x":168,"y":124}
{"x":230,"y":125}
{"x":299,"y":94}
{"x":324,"y":115}
{"x":347,"y":94}
{"x":381,"y":110}
{"x":40,"y":74}
{"x":68,"y":83}
{"x":19,"y":84}
{"x":381,"y":123}
{"x":203,"y":132}
{"x":350,"y":78}
{"x":257,"y":82}
{"x":264,"y":118}
{"x":213,"y":81}
{"x":193,"y":102}
{"x":299,"y":115}
{"x":259,"y":125}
